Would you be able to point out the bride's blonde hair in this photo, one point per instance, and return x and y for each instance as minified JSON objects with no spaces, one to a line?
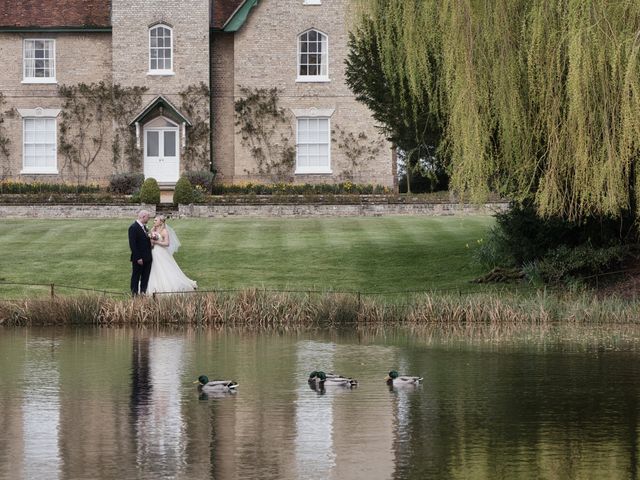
{"x":162,"y":218}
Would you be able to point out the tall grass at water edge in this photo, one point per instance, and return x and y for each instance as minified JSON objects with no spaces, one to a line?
{"x":259,"y":309}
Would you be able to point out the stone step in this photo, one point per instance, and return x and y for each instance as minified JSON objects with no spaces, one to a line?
{"x":166,"y":196}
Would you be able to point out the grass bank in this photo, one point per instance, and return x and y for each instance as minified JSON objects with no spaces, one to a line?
{"x":384,"y":254}
{"x":260,"y":309}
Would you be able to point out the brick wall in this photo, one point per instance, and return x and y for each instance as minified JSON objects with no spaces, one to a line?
{"x":79,"y":58}
{"x":189,"y":19}
{"x":222,"y":89}
{"x":265,"y":51}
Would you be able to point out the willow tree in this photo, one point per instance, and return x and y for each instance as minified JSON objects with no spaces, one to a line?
{"x":537,"y":99}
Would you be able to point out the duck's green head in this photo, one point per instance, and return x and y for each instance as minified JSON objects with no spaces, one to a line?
{"x":393,"y":374}
{"x":317,"y":375}
{"x":203,"y":380}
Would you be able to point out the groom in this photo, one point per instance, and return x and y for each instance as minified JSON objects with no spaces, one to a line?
{"x":140,"y":253}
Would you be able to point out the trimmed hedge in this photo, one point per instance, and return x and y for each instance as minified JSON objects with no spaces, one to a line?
{"x":183,"y":193}
{"x":11,"y":187}
{"x":150,"y":192}
{"x":344,"y":188}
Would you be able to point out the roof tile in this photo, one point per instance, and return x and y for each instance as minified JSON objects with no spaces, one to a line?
{"x":55,"y":13}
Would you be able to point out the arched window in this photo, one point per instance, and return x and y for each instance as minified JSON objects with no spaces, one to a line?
{"x":313,"y":57}
{"x":160,"y":50}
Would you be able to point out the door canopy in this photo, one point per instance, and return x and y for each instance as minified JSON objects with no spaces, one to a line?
{"x":160,"y":106}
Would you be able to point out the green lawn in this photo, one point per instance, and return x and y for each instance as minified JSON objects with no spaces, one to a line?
{"x":359,"y":253}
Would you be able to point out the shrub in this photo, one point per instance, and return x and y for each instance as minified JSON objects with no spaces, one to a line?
{"x":525,"y":237}
{"x":202,"y":178}
{"x":492,"y":251}
{"x":563,"y":264}
{"x":125,"y":183}
{"x":11,"y":187}
{"x":300,"y":189}
{"x":183,"y":193}
{"x":150,"y":191}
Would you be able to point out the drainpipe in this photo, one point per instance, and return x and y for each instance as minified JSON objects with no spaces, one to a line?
{"x":211,"y":156}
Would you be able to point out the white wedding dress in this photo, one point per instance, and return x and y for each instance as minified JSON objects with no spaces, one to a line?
{"x":166,"y":275}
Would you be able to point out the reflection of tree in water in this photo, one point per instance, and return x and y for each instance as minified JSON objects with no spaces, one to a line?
{"x":500,"y":414}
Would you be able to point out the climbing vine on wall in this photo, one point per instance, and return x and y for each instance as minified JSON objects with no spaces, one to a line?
{"x":266,"y":132}
{"x":195,"y":104}
{"x":89,"y":113}
{"x":5,"y":165}
{"x":127,"y":101}
{"x":358,"y":150}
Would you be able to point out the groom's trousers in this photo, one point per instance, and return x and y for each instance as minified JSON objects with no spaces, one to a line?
{"x":140,"y":277}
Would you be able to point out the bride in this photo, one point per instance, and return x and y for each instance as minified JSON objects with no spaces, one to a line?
{"x":166,"y":275}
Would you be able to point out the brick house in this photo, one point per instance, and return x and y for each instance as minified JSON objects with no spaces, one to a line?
{"x":194,"y":74}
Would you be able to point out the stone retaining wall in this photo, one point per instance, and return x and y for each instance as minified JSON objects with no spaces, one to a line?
{"x":246,"y":210}
{"x":315,"y":210}
{"x":73,"y":211}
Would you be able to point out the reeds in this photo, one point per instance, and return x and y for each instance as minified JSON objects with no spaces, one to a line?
{"x":260,"y":309}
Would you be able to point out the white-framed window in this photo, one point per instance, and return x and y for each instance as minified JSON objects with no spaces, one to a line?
{"x":313,"y":145}
{"x":39,"y":145}
{"x":161,"y":50}
{"x":39,"y":61}
{"x":313,"y":57}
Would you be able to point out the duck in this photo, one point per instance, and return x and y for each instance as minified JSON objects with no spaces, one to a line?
{"x":215,"y":386}
{"x":396,"y":380}
{"x":331,"y":380}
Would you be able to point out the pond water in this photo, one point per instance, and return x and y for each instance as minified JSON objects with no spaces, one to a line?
{"x":120,"y":403}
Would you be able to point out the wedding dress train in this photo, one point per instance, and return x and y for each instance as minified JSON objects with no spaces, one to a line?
{"x":166,"y":275}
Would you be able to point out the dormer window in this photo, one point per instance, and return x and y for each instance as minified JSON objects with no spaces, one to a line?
{"x":39,"y":61}
{"x":313,"y":57}
{"x":160,"y":50}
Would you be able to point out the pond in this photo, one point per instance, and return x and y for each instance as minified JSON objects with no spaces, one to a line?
{"x":121,"y":403}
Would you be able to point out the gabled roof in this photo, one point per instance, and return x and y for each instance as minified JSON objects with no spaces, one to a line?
{"x":222,"y":10}
{"x":55,"y":13}
{"x":161,"y":102}
{"x":96,"y":14}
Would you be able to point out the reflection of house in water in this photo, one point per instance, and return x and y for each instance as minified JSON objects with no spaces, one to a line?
{"x":41,"y":410}
{"x":315,"y":457}
{"x":13,"y":347}
{"x":344,"y":434}
{"x":160,"y":439}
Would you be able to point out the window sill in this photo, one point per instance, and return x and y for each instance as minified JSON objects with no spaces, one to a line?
{"x":313,"y":172}
{"x":39,"y":80}
{"x":39,"y":172}
{"x":313,"y":80}
{"x":160,"y":73}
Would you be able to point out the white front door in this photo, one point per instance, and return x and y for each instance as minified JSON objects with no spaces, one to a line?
{"x":161,"y":154}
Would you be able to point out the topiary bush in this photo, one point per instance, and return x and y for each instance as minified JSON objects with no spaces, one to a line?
{"x":150,"y":191}
{"x":183,"y":193}
{"x":202,"y":178}
{"x":126,"y":183}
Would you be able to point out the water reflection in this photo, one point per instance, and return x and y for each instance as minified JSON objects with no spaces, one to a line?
{"x":159,"y":434}
{"x":314,"y":453}
{"x":41,"y":410}
{"x":120,"y":403}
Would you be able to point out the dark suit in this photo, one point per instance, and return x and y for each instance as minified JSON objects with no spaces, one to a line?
{"x":140,"y":246}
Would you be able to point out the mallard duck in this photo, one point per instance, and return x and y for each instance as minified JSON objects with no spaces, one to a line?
{"x":402,"y":380}
{"x":215,"y":386}
{"x":331,"y":380}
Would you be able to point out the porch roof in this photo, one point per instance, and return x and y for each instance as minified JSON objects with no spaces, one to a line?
{"x":160,"y":102}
